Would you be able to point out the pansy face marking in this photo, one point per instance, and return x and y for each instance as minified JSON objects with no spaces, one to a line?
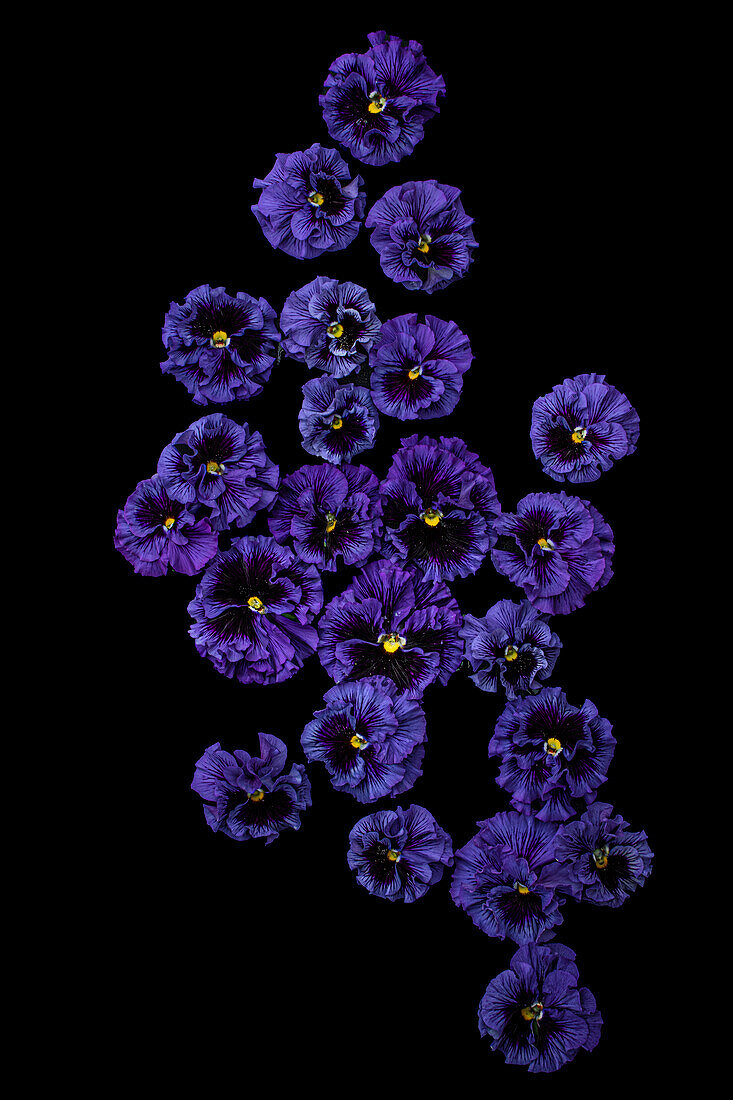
{"x":392,"y":642}
{"x":376,"y":104}
{"x":256,"y":604}
{"x":431,"y":516}
{"x":553,"y":747}
{"x":578,"y":434}
{"x":220,"y":339}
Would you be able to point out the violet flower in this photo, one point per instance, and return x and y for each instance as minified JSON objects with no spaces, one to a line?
{"x":329,"y":325}
{"x":399,"y":854}
{"x":511,"y":646}
{"x":337,"y":422}
{"x":155,"y":532}
{"x":418,"y":367}
{"x":604,"y":860}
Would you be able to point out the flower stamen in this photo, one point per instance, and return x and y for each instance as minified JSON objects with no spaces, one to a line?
{"x":376,"y":104}
{"x":256,"y":604}
{"x":431,"y":516}
{"x":316,"y":198}
{"x":511,"y":653}
{"x":600,"y":857}
{"x":552,"y":746}
{"x":578,"y":434}
{"x":394,"y":855}
{"x":414,"y":373}
{"x":391,"y":642}
{"x":220,"y":339}
{"x":337,"y":423}
{"x":330,"y":522}
{"x":336,"y":330}
{"x":533,"y":1012}
{"x":257,"y":795}
{"x":358,"y":742}
{"x":213,"y":467}
{"x":423,"y":245}
{"x":168,"y":522}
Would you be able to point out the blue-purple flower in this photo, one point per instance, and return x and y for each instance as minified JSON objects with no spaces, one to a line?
{"x":422,"y":234}
{"x":604,"y":860}
{"x":418,"y":367}
{"x":329,"y":325}
{"x":582,"y":428}
{"x":309,"y":204}
{"x":249,"y":796}
{"x":222,"y":347}
{"x":370,"y":738}
{"x":536,"y":1013}
{"x":376,"y":103}
{"x":399,"y":854}
{"x":557,"y":548}
{"x":337,"y":422}
{"x":155,"y":532}
{"x":253,"y":611}
{"x":511,"y":646}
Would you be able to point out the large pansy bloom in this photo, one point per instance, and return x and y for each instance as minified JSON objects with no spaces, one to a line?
{"x":399,"y":854}
{"x":248,"y":796}
{"x":392,"y":622}
{"x":337,"y":422}
{"x":253,"y":611}
{"x":370,"y":738}
{"x":222,"y":347}
{"x":223,"y":466}
{"x":155,"y":532}
{"x":422,"y":234}
{"x":604,"y":859}
{"x":552,"y":753}
{"x":329,"y":325}
{"x":582,"y":428}
{"x":309,"y":204}
{"x":332,"y":515}
{"x":557,"y":548}
{"x":511,"y":646}
{"x":507,"y":880}
{"x":440,"y":507}
{"x":418,"y":367}
{"x":536,"y":1013}
{"x":377,"y":103}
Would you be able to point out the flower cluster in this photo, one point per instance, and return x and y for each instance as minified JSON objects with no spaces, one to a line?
{"x":329,"y":325}
{"x":399,"y":854}
{"x":512,"y":646}
{"x":337,"y":422}
{"x":418,"y":367}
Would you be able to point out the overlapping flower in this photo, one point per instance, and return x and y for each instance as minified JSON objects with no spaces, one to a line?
{"x":155,"y":532}
{"x":605,"y":861}
{"x":337,"y":422}
{"x":511,"y":647}
{"x":418,"y":367}
{"x":329,"y":325}
{"x":399,"y":854}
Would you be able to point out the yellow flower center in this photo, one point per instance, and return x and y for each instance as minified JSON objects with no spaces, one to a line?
{"x":423,"y":245}
{"x":257,"y":796}
{"x":220,"y":339}
{"x":256,"y":604}
{"x":315,"y":198}
{"x":377,"y":103}
{"x":358,"y":742}
{"x":330,"y":523}
{"x":168,"y":522}
{"x":543,"y":543}
{"x":414,"y":373}
{"x":533,"y":1012}
{"x":337,"y":423}
{"x":336,"y":330}
{"x":391,"y":642}
{"x":431,"y":516}
{"x":553,"y":746}
{"x":578,"y":435}
{"x":394,"y":855}
{"x":511,"y":653}
{"x":213,"y":467}
{"x":522,"y":889}
{"x":600,"y":857}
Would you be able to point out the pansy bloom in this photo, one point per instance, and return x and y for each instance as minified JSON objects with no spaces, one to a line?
{"x":440,"y":507}
{"x":422,"y":234}
{"x":309,"y":204}
{"x":582,"y":428}
{"x":376,"y":103}
{"x":392,"y":622}
{"x":222,"y":347}
{"x":329,"y":325}
{"x":552,"y":753}
{"x":604,"y":860}
{"x":399,"y":854}
{"x":253,"y":611}
{"x":418,"y":367}
{"x":337,"y":422}
{"x":218,"y":464}
{"x":511,"y":646}
{"x":557,"y":548}
{"x":536,"y":1013}
{"x":507,"y":880}
{"x":155,"y":532}
{"x":370,"y":738}
{"x":249,"y":796}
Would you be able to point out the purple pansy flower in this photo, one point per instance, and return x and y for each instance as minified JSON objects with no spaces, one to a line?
{"x":604,"y":860}
{"x":370,"y":738}
{"x":536,"y":1013}
{"x":337,"y":422}
{"x":253,"y":611}
{"x":399,"y":854}
{"x":251,"y":796}
{"x":557,"y":548}
{"x":511,"y":647}
{"x":418,"y":367}
{"x":309,"y":204}
{"x":154,"y":532}
{"x":582,"y":428}
{"x":392,"y":622}
{"x":422,"y":234}
{"x":376,"y":103}
{"x":329,"y":325}
{"x":221,"y":347}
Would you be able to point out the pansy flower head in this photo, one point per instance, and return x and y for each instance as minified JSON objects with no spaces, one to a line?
{"x":510,"y":647}
{"x":247,"y":796}
{"x":329,"y":325}
{"x":605,"y":861}
{"x":253,"y":611}
{"x":337,"y":422}
{"x":309,"y":204}
{"x":557,"y":548}
{"x":422,"y":234}
{"x":582,"y":428}
{"x":370,"y":738}
{"x":222,"y":347}
{"x":155,"y":532}
{"x":376,"y":103}
{"x":399,"y":854}
{"x":418,"y":367}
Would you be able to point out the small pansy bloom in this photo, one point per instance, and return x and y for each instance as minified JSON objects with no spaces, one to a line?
{"x":155,"y":532}
{"x":604,"y":860}
{"x":392,"y":622}
{"x":370,"y":738}
{"x":418,"y":367}
{"x":552,"y":753}
{"x":535,"y":1012}
{"x":329,"y":325}
{"x":222,"y":347}
{"x":247,"y":796}
{"x":376,"y":103}
{"x":422,"y":234}
{"x":337,"y":422}
{"x":582,"y":428}
{"x":511,"y":646}
{"x":253,"y":611}
{"x":399,"y":854}
{"x":557,"y":548}
{"x":309,"y":204}
{"x":223,"y":466}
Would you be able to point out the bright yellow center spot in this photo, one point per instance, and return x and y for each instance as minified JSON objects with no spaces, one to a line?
{"x":542,"y":543}
{"x":257,"y":796}
{"x":531,"y":1012}
{"x":377,"y":103}
{"x":168,"y":522}
{"x":336,"y":330}
{"x":511,"y":653}
{"x":578,"y":435}
{"x":414,"y":373}
{"x":315,"y":198}
{"x":358,"y":742}
{"x":522,"y":889}
{"x":392,"y":642}
{"x":330,"y":523}
{"x":600,"y":858}
{"x":213,"y":467}
{"x":219,"y":339}
{"x":256,"y":603}
{"x":432,"y":517}
{"x":337,"y":423}
{"x":423,"y":245}
{"x":394,"y":855}
{"x":553,"y":746}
